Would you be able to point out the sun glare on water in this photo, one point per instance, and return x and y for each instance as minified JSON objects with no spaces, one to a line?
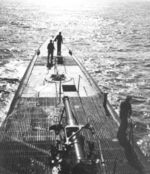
{"x":67,"y":3}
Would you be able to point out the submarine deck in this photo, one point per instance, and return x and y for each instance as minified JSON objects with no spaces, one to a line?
{"x":25,"y":131}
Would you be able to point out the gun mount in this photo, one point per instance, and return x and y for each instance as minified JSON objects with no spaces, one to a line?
{"x":72,"y":159}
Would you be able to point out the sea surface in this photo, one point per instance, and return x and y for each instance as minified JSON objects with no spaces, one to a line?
{"x":111,"y":38}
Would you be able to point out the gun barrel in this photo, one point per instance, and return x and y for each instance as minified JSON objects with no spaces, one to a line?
{"x":75,"y":140}
{"x":70,"y":120}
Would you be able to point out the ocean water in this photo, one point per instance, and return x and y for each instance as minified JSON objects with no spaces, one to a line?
{"x":111,"y":38}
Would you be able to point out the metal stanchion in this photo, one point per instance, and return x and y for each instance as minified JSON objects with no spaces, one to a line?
{"x":79,"y":82}
{"x":115,"y":166}
{"x":105,"y":100}
{"x":60,"y":91}
{"x":131,"y":133}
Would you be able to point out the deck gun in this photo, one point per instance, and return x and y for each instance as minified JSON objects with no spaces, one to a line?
{"x":69,"y":155}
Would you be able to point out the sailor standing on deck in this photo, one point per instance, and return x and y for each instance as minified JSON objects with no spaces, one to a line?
{"x":125,"y":113}
{"x":59,"y":40}
{"x":50,"y":48}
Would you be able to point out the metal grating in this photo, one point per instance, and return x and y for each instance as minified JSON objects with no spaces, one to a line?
{"x":25,"y":141}
{"x":90,"y":108}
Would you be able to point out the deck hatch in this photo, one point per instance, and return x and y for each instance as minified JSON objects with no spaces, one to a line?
{"x":69,"y":88}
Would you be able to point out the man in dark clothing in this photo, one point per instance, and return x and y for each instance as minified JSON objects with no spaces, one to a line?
{"x":59,"y":40}
{"x":50,"y":48}
{"x":125,"y":113}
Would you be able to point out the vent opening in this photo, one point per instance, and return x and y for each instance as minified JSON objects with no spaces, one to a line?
{"x":69,"y":88}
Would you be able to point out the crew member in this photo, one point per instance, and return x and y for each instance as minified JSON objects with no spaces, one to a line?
{"x":59,"y":40}
{"x":50,"y":48}
{"x":125,"y":113}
